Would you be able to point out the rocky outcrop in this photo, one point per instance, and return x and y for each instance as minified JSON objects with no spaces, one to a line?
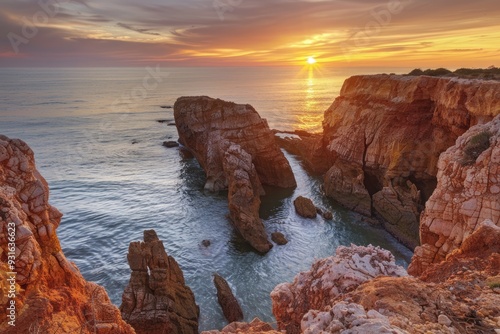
{"x":455,"y":296}
{"x":305,"y":207}
{"x":328,"y":279}
{"x":468,"y":192}
{"x":157,"y":299}
{"x":228,"y":302}
{"x":238,"y":152}
{"x":279,"y":238}
{"x":383,"y":136}
{"x":203,"y":123}
{"x":256,"y":326}
{"x":51,"y":294}
{"x":244,"y":190}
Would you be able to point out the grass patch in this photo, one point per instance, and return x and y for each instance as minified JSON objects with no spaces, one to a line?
{"x":476,"y":145}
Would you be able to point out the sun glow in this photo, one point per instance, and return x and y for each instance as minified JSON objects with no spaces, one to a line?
{"x":311,"y":61}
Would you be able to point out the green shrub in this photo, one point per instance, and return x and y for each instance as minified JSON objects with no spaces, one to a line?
{"x":416,"y":72}
{"x":476,"y":145}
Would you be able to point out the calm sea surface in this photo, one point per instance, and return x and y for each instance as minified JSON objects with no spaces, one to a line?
{"x":98,"y":143}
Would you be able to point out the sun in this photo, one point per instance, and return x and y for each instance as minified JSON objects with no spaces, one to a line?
{"x":311,"y":61}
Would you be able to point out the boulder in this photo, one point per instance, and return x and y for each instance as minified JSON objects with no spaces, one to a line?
{"x":228,"y":302}
{"x":170,"y":144}
{"x":51,"y":294}
{"x":305,"y":207}
{"x":157,"y":299}
{"x":279,"y":238}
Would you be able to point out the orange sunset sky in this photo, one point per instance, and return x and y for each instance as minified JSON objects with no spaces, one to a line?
{"x":406,"y":33}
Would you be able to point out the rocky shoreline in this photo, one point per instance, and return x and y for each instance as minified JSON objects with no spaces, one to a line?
{"x":421,"y":154}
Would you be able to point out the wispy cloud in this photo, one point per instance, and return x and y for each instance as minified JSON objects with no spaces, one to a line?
{"x":190,"y":32}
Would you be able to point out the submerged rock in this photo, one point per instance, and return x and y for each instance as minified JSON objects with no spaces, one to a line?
{"x":170,"y":144}
{"x":157,"y":299}
{"x":237,"y":151}
{"x":328,"y":215}
{"x":279,"y":238}
{"x":228,"y":302}
{"x":467,"y":193}
{"x":305,"y":207}
{"x":382,"y":138}
{"x":51,"y":294}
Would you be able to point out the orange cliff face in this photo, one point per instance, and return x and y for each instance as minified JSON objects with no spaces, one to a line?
{"x":51,"y":294}
{"x":467,"y":193}
{"x":383,"y":136}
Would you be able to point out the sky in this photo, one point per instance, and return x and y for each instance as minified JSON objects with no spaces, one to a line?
{"x":405,"y":33}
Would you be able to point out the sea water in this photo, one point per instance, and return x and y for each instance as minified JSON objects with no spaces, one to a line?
{"x":98,"y":142}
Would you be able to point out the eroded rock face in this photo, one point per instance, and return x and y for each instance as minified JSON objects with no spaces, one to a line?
{"x":455,"y":296}
{"x":203,"y":123}
{"x":256,"y":326}
{"x":329,"y":278}
{"x":468,"y":192}
{"x":52,"y":296}
{"x":383,"y":136}
{"x":244,"y":190}
{"x":238,"y":152}
{"x":157,"y":299}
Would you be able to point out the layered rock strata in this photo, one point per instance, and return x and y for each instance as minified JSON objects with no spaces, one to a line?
{"x":383,"y":136}
{"x":468,"y":192}
{"x":51,"y":294}
{"x":238,"y":152}
{"x":157,"y":299}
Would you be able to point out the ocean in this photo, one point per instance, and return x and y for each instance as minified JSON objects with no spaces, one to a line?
{"x":98,"y":142}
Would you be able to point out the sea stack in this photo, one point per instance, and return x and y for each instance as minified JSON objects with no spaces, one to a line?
{"x":157,"y":299}
{"x":238,"y":152}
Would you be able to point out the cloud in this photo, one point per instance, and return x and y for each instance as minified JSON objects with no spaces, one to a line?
{"x":124,"y":32}
{"x":141,"y":31}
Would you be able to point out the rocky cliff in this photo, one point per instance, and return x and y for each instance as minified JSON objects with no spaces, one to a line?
{"x":328,"y":279}
{"x":467,"y":193}
{"x":383,"y":136}
{"x":52,"y":296}
{"x":157,"y":300}
{"x":238,"y":152}
{"x":459,"y":295}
